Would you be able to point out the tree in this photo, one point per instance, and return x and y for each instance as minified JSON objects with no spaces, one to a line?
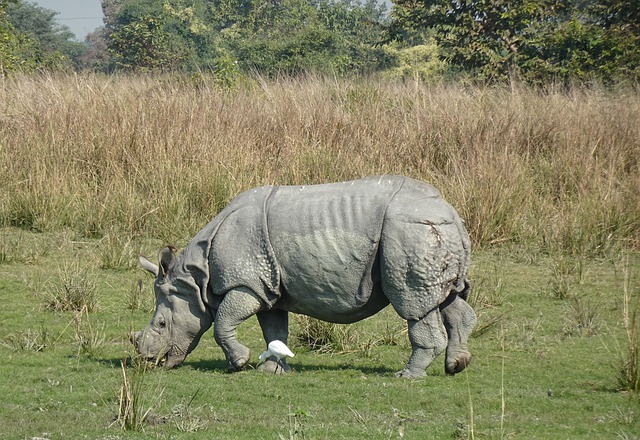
{"x":17,"y":50}
{"x":141,"y":45}
{"x":538,"y":40}
{"x":53,"y":44}
{"x":300,"y":35}
{"x":160,"y":34}
{"x":620,"y":22}
{"x":269,"y":36}
{"x":96,"y":55}
{"x":484,"y":36}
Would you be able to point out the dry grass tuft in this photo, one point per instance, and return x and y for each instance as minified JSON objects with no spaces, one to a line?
{"x":76,"y":289}
{"x":136,"y":400}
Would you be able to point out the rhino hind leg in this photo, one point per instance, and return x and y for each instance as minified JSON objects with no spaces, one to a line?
{"x":459,"y":320}
{"x":237,"y":306}
{"x":275,"y":326}
{"x":428,"y":339}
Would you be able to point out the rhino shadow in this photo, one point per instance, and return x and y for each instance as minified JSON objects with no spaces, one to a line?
{"x":221,"y":365}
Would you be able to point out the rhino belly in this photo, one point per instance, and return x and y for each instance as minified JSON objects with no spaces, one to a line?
{"x":323,"y":278}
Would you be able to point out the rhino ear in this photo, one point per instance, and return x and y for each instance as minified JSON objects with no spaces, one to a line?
{"x":148,"y":265}
{"x":167,"y":259}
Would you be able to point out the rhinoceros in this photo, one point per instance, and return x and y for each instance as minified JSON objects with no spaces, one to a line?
{"x":338,"y":252}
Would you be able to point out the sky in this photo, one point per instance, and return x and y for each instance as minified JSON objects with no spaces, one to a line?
{"x":81,"y":16}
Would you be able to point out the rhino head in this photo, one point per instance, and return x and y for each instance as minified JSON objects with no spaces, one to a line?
{"x":180,"y":317}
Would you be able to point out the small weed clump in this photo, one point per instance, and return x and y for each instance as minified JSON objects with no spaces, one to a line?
{"x":137,"y":299}
{"x":486,"y":297}
{"x":116,"y":252}
{"x":29,"y":340}
{"x":326,"y":337}
{"x":88,"y":336}
{"x":6,"y":256}
{"x":296,"y":422}
{"x":75,"y":290}
{"x":565,"y":274}
{"x":185,"y":417}
{"x":581,"y":318}
{"x":22,"y":248}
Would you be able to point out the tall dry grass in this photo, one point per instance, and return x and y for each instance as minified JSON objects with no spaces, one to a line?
{"x":550,"y":170}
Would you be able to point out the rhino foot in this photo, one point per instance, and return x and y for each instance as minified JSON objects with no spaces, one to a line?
{"x":410,"y":374}
{"x":240,"y":362}
{"x":456,"y":364}
{"x":273,"y":367}
{"x":231,"y":368}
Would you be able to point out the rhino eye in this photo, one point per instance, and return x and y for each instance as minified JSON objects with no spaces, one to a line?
{"x":162,"y":323}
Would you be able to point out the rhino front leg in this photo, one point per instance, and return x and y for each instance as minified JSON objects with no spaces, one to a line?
{"x":428,"y":339}
{"x":275,"y":326}
{"x":459,"y":320}
{"x":237,"y":306}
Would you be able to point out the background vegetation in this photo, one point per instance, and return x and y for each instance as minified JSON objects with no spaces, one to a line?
{"x":534,"y":41}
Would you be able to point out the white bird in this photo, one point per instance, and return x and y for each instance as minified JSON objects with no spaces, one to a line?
{"x":278,"y":349}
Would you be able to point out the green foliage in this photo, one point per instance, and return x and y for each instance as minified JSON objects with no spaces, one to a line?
{"x":141,"y":45}
{"x":154,"y":35}
{"x":539,"y":41}
{"x":483,"y":36}
{"x":44,"y":42}
{"x":422,"y":62}
{"x":288,"y":36}
{"x":17,"y":51}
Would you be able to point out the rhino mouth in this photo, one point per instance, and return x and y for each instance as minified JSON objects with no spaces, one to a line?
{"x":167,"y":360}
{"x":158,"y":361}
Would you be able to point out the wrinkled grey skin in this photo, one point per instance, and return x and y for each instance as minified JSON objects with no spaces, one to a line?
{"x":337,"y":252}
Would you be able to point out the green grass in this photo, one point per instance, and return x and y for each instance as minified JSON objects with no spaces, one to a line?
{"x":62,"y":391}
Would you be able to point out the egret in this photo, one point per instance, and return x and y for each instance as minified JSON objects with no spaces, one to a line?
{"x":278,"y":349}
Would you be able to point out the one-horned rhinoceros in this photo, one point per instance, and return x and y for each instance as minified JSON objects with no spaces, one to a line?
{"x":337,"y":252}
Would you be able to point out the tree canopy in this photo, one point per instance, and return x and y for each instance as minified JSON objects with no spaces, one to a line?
{"x":538,"y":40}
{"x":31,"y":37}
{"x":268,"y":36}
{"x":534,"y":40}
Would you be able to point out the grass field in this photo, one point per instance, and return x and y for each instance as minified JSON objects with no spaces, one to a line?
{"x":95,"y":170}
{"x":62,"y":378}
